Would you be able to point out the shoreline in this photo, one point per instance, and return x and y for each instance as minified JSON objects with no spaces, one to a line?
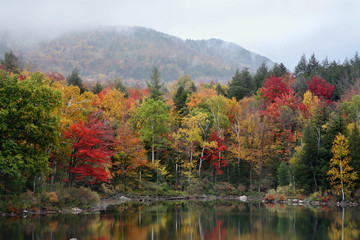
{"x":121,"y":199}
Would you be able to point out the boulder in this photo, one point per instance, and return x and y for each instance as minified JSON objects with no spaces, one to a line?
{"x":243,"y":198}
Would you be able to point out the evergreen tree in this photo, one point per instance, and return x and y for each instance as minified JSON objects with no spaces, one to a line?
{"x":354,"y":148}
{"x":11,"y":62}
{"x":75,"y":80}
{"x":119,"y":85}
{"x":301,"y":67}
{"x":279,"y":70}
{"x":305,"y":169}
{"x":220,"y":90}
{"x":261,"y":74}
{"x":283,"y":174}
{"x":183,"y":87}
{"x":313,"y":66}
{"x":180,"y":98}
{"x":97,"y":88}
{"x":241,"y":84}
{"x":155,"y":86}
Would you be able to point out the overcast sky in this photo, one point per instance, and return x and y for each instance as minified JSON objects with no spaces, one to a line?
{"x":282,"y":30}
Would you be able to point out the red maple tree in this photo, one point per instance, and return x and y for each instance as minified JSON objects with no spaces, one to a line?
{"x":213,"y":155}
{"x":274,"y":87}
{"x":92,"y":143}
{"x":320,"y":88}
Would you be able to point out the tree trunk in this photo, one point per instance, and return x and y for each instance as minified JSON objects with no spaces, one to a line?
{"x":313,"y":170}
{"x":259,"y":180}
{"x":200,"y":163}
{"x":153,"y":154}
{"x":251,"y":184}
{"x":34,"y":183}
{"x":177,"y":174}
{"x":342,"y":184}
{"x":53,"y":173}
{"x":191,"y":160}
{"x":140,"y":174}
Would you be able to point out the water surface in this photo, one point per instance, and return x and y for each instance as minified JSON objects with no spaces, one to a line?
{"x":191,"y":220}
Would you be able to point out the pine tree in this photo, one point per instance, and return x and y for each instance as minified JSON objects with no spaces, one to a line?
{"x":119,"y":85}
{"x":283,"y":174}
{"x":11,"y":62}
{"x":313,"y":66}
{"x":154,"y":84}
{"x":354,"y":148}
{"x":301,"y":67}
{"x":261,"y":74}
{"x":241,"y":84}
{"x":180,"y":98}
{"x":279,"y":70}
{"x":97,"y":88}
{"x":75,"y":80}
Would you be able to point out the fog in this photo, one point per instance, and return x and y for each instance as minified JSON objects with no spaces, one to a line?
{"x":280,"y":30}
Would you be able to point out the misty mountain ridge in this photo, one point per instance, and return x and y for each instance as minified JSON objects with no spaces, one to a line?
{"x":131,"y":53}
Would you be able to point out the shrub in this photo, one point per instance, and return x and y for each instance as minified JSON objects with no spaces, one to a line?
{"x":222,"y":188}
{"x":357,"y":194}
{"x":53,"y":197}
{"x":325,"y":199}
{"x":315,"y":196}
{"x":269,"y":198}
{"x":79,"y":197}
{"x":241,"y":188}
{"x":200,"y":187}
{"x":287,"y":191}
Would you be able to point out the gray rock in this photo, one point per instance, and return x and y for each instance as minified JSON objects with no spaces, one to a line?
{"x":243,"y":198}
{"x":123,"y":198}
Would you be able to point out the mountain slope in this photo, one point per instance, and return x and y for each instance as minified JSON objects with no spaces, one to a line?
{"x":131,"y":52}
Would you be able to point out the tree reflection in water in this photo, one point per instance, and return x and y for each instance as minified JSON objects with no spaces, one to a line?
{"x":191,"y":220}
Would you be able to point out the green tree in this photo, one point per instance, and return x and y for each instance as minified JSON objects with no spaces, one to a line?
{"x":221,"y":90}
{"x":279,"y":70}
{"x":183,"y":87}
{"x":301,"y":67}
{"x":11,"y":62}
{"x":180,"y":98}
{"x":352,"y":109}
{"x":153,"y":122}
{"x":313,"y":66}
{"x":97,"y":88}
{"x":75,"y":80}
{"x":218,"y":106}
{"x":241,"y":85}
{"x":119,"y":85}
{"x":261,"y":74}
{"x":283,"y":174}
{"x":305,"y":167}
{"x":154,"y":84}
{"x":354,"y":147}
{"x":28,"y":129}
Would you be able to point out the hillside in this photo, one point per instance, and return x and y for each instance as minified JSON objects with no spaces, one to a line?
{"x":131,"y":52}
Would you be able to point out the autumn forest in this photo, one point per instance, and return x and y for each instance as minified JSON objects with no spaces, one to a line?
{"x":271,"y":129}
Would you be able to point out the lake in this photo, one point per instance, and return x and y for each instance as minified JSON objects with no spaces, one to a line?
{"x":190,"y":220}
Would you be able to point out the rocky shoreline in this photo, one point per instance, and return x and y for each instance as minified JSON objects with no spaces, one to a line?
{"x":120,"y":199}
{"x":299,"y":202}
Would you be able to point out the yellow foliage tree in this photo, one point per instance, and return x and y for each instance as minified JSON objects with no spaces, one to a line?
{"x":189,"y":136}
{"x":341,"y":175}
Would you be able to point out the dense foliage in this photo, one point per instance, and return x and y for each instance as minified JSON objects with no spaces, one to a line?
{"x":244,"y":136}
